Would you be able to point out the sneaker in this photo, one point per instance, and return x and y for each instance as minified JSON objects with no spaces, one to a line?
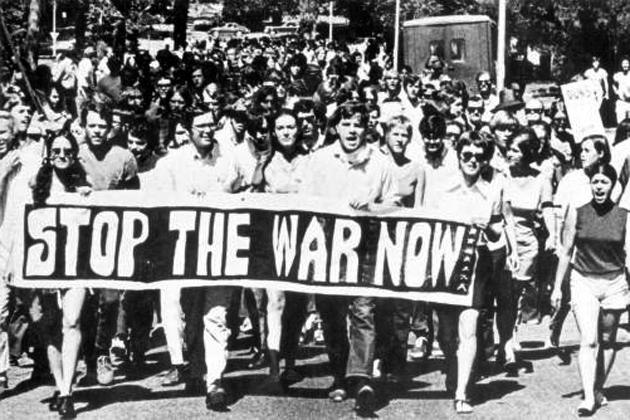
{"x":420,"y":349}
{"x":337,"y":392}
{"x":216,"y":398}
{"x":173,"y":377}
{"x":104,"y":371}
{"x":119,"y":351}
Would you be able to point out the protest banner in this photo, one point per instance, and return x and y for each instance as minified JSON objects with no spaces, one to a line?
{"x":582,"y":102}
{"x":128,"y":240}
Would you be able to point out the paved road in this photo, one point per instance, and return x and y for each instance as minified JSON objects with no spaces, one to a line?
{"x":551,"y":391}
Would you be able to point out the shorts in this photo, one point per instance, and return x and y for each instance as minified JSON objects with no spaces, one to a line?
{"x":610,"y":291}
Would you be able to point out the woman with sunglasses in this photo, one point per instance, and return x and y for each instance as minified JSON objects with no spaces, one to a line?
{"x":482,"y":202}
{"x":595,"y":254}
{"x":61,"y":172}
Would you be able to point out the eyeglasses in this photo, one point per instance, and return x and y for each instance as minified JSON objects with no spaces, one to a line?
{"x":475,"y":110}
{"x":533,"y":111}
{"x":468,"y":156}
{"x":484,"y":82}
{"x":57,"y":151}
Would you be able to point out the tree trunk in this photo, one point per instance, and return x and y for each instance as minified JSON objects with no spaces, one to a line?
{"x":180,"y":21}
{"x":32,"y":36}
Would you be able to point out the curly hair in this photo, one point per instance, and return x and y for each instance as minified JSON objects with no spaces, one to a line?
{"x":74,"y":176}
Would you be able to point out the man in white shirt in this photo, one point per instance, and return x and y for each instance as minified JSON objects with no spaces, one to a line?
{"x":621,"y":86}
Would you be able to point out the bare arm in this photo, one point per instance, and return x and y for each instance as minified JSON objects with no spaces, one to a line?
{"x":564,"y":255}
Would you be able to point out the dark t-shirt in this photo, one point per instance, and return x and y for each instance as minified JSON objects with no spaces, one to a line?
{"x":113,"y":171}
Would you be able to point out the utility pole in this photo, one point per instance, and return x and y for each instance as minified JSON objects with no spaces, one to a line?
{"x":501,"y":45}
{"x":330,"y":21}
{"x":54,"y":34}
{"x":397,"y":35}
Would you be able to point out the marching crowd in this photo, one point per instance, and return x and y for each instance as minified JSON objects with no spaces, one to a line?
{"x":306,"y":117}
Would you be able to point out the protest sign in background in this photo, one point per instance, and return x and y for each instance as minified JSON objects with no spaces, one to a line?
{"x":130,"y":240}
{"x":582,"y":102}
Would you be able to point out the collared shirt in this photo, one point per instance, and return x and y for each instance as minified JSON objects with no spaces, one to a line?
{"x":365,"y":175}
{"x":284,"y":176}
{"x":480,"y":201}
{"x":117,"y":167}
{"x":247,"y":159}
{"x":185,"y":170}
{"x":623,"y":85}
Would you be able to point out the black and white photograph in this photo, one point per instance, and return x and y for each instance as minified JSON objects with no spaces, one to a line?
{"x":309,"y":209}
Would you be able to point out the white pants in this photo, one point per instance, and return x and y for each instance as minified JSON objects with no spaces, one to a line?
{"x":173,"y":322}
{"x":216,"y":332}
{"x":4,"y":326}
{"x":270,"y":313}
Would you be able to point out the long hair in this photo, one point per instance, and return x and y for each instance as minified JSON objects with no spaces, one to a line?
{"x":71,"y":178}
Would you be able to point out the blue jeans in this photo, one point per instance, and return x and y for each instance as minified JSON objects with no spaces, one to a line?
{"x":350,"y":334}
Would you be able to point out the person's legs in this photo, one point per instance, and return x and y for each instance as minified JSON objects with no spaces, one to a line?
{"x":609,"y":322}
{"x":173,"y":323}
{"x":139,"y":307}
{"x":467,"y":350}
{"x":586,"y":311}
{"x":72,"y":304}
{"x":293,"y":319}
{"x":275,"y":308}
{"x":333,"y":311}
{"x":4,"y":331}
{"x":216,"y":332}
{"x":447,"y":338}
{"x":362,"y":337}
{"x":396,"y":360}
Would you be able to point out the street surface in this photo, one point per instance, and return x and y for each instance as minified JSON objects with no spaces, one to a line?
{"x":551,"y":391}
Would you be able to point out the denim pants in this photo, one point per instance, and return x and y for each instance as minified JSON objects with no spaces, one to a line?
{"x":392,"y":332}
{"x":350,"y":334}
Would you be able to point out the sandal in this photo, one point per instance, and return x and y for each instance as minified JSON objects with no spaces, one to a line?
{"x":586,"y":410}
{"x":462,"y":407}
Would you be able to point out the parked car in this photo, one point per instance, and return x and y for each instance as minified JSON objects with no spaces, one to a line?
{"x":287,"y":28}
{"x":228,"y":31}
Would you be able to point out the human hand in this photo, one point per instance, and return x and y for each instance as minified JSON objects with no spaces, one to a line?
{"x":556,"y":298}
{"x":513,"y":262}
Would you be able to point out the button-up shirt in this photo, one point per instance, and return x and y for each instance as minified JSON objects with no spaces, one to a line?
{"x":284,"y":176}
{"x":185,"y":170}
{"x":364,"y":175}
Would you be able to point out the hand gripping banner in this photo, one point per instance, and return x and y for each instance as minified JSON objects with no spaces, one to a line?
{"x":133,"y":240}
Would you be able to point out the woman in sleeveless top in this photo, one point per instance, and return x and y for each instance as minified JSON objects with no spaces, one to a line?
{"x":594,"y":246}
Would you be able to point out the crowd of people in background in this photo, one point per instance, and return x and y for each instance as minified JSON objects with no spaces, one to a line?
{"x":313,"y":118}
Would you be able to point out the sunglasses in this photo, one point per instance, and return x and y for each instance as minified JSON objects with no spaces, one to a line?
{"x":475,"y":110}
{"x":58,"y":151}
{"x":468,"y":156}
{"x":484,"y":82}
{"x":533,"y":111}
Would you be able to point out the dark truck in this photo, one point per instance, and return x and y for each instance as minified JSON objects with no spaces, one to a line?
{"x":464,"y":42}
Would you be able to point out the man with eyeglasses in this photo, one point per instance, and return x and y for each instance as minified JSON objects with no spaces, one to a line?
{"x":490,"y":100}
{"x":475,"y":112}
{"x":312,"y":137}
{"x":208,"y":170}
{"x":534,"y":110}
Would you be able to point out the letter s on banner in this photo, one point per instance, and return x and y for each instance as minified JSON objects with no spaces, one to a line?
{"x":40,"y":259}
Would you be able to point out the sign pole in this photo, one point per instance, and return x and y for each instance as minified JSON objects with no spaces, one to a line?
{"x":54,"y":33}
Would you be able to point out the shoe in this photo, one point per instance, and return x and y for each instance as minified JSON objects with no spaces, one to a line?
{"x":259,"y":360}
{"x":291,"y":376}
{"x":118,"y":351}
{"x":365,"y":400}
{"x":53,"y":404}
{"x":586,"y":410}
{"x":195,"y":387}
{"x":216,"y":398}
{"x":600,"y":399}
{"x":272,"y":385}
{"x":338,"y":391}
{"x":104,"y":371}
{"x":173,"y":377}
{"x":420,"y":349}
{"x":462,"y":407}
{"x":66,"y":408}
